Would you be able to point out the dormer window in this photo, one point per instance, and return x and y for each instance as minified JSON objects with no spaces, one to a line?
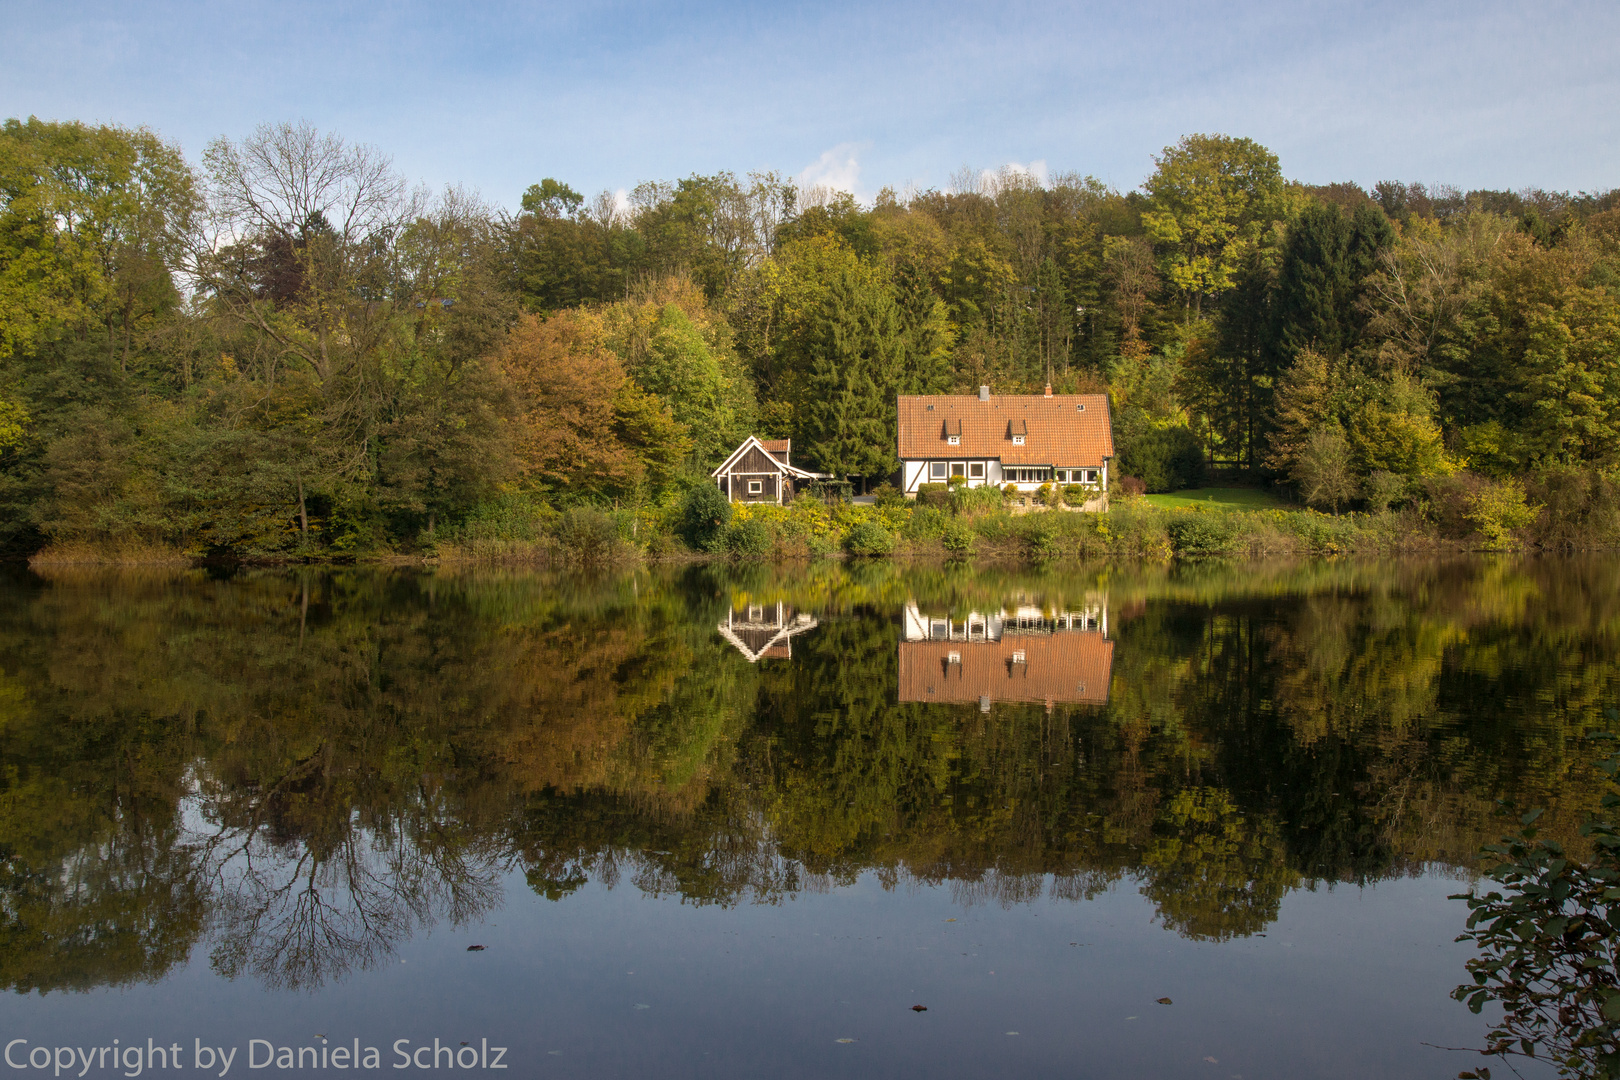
{"x":954,"y":440}
{"x":953,"y":431}
{"x":1017,"y":430}
{"x":1018,"y":440}
{"x":1080,"y":407}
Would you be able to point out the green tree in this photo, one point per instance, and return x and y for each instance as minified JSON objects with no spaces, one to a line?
{"x":679,"y":367}
{"x":1319,"y":289}
{"x":1323,"y":469}
{"x":860,"y":360}
{"x":1212,"y":200}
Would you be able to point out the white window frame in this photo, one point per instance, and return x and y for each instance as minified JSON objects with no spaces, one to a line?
{"x":953,"y":658}
{"x":1018,"y":657}
{"x":1018,"y":440}
{"x":953,"y":440}
{"x":959,"y":468}
{"x":939,"y":470}
{"x":975,"y":470}
{"x":756,"y":487}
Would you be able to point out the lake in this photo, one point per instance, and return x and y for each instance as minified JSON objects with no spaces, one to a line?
{"x":865,"y":819}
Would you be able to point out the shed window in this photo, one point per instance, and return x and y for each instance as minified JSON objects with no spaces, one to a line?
{"x":756,"y":487}
{"x":936,"y":470}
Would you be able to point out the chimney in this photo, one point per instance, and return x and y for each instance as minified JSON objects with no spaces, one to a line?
{"x":984,"y":393}
{"x":1048,"y":389}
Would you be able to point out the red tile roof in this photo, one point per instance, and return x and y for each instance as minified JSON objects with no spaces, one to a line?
{"x":1058,"y":431}
{"x":779,"y":448}
{"x":1061,"y":667}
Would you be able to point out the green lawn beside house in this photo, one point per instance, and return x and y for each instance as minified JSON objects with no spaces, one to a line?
{"x":1221,"y":498}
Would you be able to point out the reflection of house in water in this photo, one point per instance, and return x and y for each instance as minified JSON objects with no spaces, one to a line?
{"x":765,"y":630}
{"x":1018,"y":655}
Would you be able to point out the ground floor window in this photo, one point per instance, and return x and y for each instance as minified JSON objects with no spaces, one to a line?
{"x":975,"y":470}
{"x":1038,"y":475}
{"x":936,"y":470}
{"x":1077,"y":476}
{"x":958,"y":468}
{"x":756,"y":487}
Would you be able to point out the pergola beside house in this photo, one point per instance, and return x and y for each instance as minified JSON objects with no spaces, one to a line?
{"x":996,"y":439}
{"x":759,"y":471}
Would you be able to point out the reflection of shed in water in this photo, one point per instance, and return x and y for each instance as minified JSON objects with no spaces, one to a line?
{"x":1006,"y":656}
{"x":765,"y":630}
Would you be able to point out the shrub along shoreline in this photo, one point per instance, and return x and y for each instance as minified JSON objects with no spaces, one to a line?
{"x":1554,"y":513}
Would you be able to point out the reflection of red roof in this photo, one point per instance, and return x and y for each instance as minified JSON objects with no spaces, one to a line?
{"x":1061,"y":667}
{"x":1062,"y":430}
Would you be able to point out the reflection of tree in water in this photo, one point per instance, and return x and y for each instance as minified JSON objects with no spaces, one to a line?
{"x":1214,"y":873}
{"x":362,"y":754}
{"x":296,"y":914}
{"x":108,"y":914}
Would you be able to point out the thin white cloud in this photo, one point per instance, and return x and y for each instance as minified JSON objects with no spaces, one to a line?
{"x":1035,"y":170}
{"x":838,"y":169}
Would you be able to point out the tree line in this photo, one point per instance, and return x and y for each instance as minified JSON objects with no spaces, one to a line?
{"x":285,"y":349}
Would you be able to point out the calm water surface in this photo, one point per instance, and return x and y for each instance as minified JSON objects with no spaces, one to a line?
{"x":738,"y":822}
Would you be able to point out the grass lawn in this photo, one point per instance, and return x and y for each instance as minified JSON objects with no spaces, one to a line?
{"x":1222,"y":499}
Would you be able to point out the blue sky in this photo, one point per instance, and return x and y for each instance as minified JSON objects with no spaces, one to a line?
{"x":857,"y":95}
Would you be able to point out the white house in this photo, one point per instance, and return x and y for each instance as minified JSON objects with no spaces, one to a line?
{"x":1022,"y":439}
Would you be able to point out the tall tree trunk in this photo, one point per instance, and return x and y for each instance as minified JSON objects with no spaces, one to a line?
{"x":303,"y":513}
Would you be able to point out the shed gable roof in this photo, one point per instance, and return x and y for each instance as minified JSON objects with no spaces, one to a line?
{"x":1063,"y":430}
{"x":777,"y":455}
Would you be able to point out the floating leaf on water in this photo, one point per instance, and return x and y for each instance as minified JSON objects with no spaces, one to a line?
{"x":643,"y":1006}
{"x":1165,"y":1001}
{"x":1211,"y":1060}
{"x":919,"y":1008}
{"x":950,"y":920}
{"x":475,"y":948}
{"x":844,"y":1040}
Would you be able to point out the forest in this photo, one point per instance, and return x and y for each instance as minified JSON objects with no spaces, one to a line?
{"x":284,"y":350}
